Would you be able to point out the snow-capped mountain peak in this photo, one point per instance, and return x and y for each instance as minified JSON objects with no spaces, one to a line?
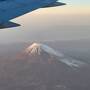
{"x":37,"y":48}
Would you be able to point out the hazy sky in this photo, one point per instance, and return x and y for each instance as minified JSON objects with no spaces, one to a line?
{"x":68,"y":22}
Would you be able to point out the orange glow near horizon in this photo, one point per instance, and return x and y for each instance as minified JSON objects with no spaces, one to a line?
{"x":65,"y":15}
{"x":68,"y":10}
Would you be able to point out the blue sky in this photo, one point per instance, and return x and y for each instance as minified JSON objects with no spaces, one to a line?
{"x":77,"y":2}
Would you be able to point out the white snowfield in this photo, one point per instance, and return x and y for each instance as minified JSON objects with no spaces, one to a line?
{"x":38,"y":48}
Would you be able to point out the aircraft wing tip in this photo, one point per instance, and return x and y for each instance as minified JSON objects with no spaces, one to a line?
{"x":9,"y":25}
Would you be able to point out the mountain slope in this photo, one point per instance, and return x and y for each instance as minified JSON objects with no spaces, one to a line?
{"x":39,"y":49}
{"x":43,"y":70}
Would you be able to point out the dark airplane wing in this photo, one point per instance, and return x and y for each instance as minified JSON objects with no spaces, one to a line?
{"x":10,"y":9}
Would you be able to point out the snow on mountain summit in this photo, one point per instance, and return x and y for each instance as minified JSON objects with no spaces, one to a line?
{"x":38,"y":48}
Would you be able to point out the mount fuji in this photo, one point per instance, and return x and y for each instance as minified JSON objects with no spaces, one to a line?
{"x":44,"y":51}
{"x":41,"y":67}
